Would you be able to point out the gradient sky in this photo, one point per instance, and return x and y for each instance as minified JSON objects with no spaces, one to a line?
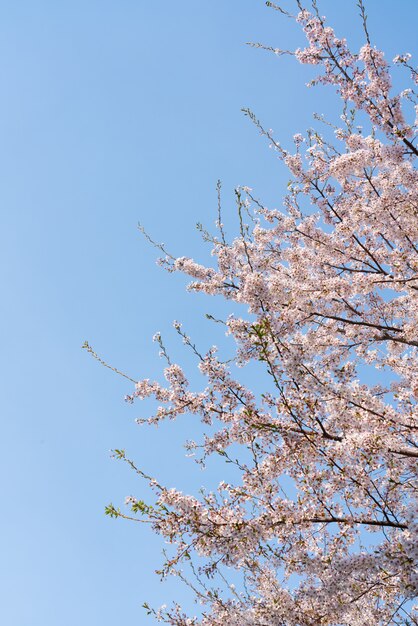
{"x":114,"y":112}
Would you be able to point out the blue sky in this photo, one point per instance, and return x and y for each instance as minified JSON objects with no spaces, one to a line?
{"x":114,"y":112}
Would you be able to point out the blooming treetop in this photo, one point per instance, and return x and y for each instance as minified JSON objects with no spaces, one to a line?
{"x":330,"y":448}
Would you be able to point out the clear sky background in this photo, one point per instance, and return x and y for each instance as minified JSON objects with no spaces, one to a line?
{"x":114,"y":112}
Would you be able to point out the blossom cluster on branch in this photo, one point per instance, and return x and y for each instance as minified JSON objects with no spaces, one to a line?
{"x":321,"y":528}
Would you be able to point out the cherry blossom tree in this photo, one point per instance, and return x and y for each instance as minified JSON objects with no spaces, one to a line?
{"x":321,"y":526}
